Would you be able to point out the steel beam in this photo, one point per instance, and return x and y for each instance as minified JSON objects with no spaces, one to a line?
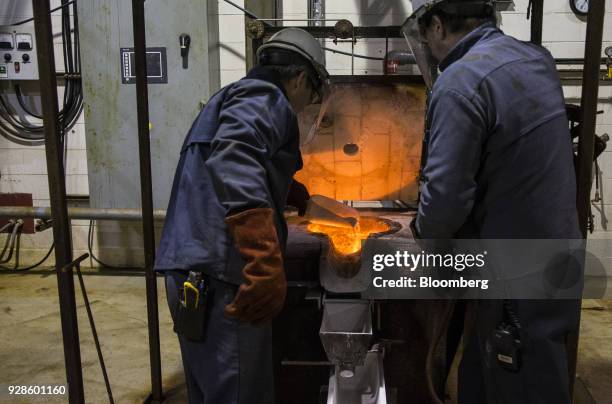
{"x":586,"y":142}
{"x":57,"y":196}
{"x":537,"y":21}
{"x":589,"y":101}
{"x":146,"y":192}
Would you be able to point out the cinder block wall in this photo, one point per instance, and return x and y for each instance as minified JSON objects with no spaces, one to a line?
{"x":23,"y":169}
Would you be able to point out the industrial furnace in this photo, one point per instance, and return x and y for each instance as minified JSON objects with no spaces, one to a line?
{"x":333,"y":344}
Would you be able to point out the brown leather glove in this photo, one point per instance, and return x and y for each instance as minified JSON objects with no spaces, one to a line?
{"x":261,"y":298}
{"x":298,"y":197}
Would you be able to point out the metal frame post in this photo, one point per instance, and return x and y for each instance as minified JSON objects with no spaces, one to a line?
{"x":586,"y":143}
{"x":589,"y":100}
{"x":261,"y":9}
{"x":57,"y":195}
{"x":146,"y":190}
{"x":537,"y":21}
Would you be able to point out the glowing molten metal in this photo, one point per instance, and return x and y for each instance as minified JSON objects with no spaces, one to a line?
{"x":347,"y":240}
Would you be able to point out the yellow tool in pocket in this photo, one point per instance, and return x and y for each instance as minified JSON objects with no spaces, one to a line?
{"x":191,"y":316}
{"x":191,"y":295}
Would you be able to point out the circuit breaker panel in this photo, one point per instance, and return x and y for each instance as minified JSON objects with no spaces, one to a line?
{"x":18,"y":58}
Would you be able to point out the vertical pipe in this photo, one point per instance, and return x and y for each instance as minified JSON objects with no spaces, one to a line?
{"x":278,"y":11}
{"x":146,"y":191}
{"x":57,"y":195}
{"x":586,"y":143}
{"x":537,"y":21}
{"x":590,"y":92}
{"x":316,"y":11}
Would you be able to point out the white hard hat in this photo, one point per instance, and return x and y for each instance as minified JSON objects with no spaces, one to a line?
{"x":300,"y":42}
{"x":418,"y":4}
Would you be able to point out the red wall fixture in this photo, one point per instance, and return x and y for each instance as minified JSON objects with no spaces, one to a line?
{"x":17,"y":200}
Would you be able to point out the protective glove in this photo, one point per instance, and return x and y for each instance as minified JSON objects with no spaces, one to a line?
{"x":261,"y":298}
{"x":298,"y":197}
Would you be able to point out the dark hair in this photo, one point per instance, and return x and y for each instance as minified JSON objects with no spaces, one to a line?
{"x":456,"y":23}
{"x":285,"y":73}
{"x":287,"y":64}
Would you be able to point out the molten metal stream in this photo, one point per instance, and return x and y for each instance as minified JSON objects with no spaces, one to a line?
{"x":347,"y":240}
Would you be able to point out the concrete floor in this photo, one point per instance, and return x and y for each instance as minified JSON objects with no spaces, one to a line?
{"x":595,"y":351}
{"x":31,"y":349}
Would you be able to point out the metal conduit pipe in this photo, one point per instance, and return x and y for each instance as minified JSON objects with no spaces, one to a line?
{"x":146,"y":197}
{"x":119,"y":214}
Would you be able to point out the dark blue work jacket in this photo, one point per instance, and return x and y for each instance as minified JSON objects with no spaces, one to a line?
{"x":241,"y":153}
{"x":499,"y":158}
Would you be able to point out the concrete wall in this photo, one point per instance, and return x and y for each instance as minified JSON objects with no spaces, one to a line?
{"x":23,"y":169}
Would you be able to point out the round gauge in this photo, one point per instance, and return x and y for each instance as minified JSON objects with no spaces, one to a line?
{"x":580,"y":7}
{"x":609,"y":51}
{"x":6,"y":41}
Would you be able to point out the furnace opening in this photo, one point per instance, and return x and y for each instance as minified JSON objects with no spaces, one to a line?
{"x":348,"y":240}
{"x":345,"y":243}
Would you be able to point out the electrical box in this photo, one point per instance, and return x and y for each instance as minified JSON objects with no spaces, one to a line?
{"x":180,"y":80}
{"x":18,"y":58}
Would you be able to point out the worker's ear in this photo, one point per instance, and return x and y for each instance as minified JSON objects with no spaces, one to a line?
{"x":296,"y":83}
{"x":438,"y":28}
{"x":302,"y":80}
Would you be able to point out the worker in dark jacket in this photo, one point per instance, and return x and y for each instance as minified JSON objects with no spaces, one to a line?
{"x":498,"y":166}
{"x":225,"y":233}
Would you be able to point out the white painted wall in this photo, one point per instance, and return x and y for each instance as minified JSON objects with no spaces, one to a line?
{"x":23,"y":169}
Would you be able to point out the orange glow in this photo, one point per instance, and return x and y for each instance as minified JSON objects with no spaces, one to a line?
{"x":347,"y":241}
{"x":384,"y":124}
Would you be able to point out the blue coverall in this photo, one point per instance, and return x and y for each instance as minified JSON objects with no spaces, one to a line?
{"x":241,"y":153}
{"x":499,"y":166}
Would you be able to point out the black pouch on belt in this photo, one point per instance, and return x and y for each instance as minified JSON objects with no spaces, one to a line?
{"x":192,"y":312}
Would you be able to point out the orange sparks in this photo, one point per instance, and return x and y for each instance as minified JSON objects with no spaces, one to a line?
{"x":347,"y":240}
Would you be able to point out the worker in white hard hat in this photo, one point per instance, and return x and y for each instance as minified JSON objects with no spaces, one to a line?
{"x":225,"y":233}
{"x":497,"y":165}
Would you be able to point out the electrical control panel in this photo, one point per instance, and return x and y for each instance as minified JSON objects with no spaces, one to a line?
{"x":182,"y":69}
{"x":18,"y":59}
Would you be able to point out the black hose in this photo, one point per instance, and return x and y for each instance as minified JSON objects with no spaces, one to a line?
{"x":14,"y":237}
{"x":17,"y":251}
{"x":32,"y":19}
{"x":39,"y":263}
{"x":245,"y":11}
{"x":23,"y":105}
{"x":23,"y":132}
{"x":354,"y":54}
{"x":90,"y":249}
{"x":8,"y":237}
{"x":6,"y":226}
{"x":9,"y":115}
